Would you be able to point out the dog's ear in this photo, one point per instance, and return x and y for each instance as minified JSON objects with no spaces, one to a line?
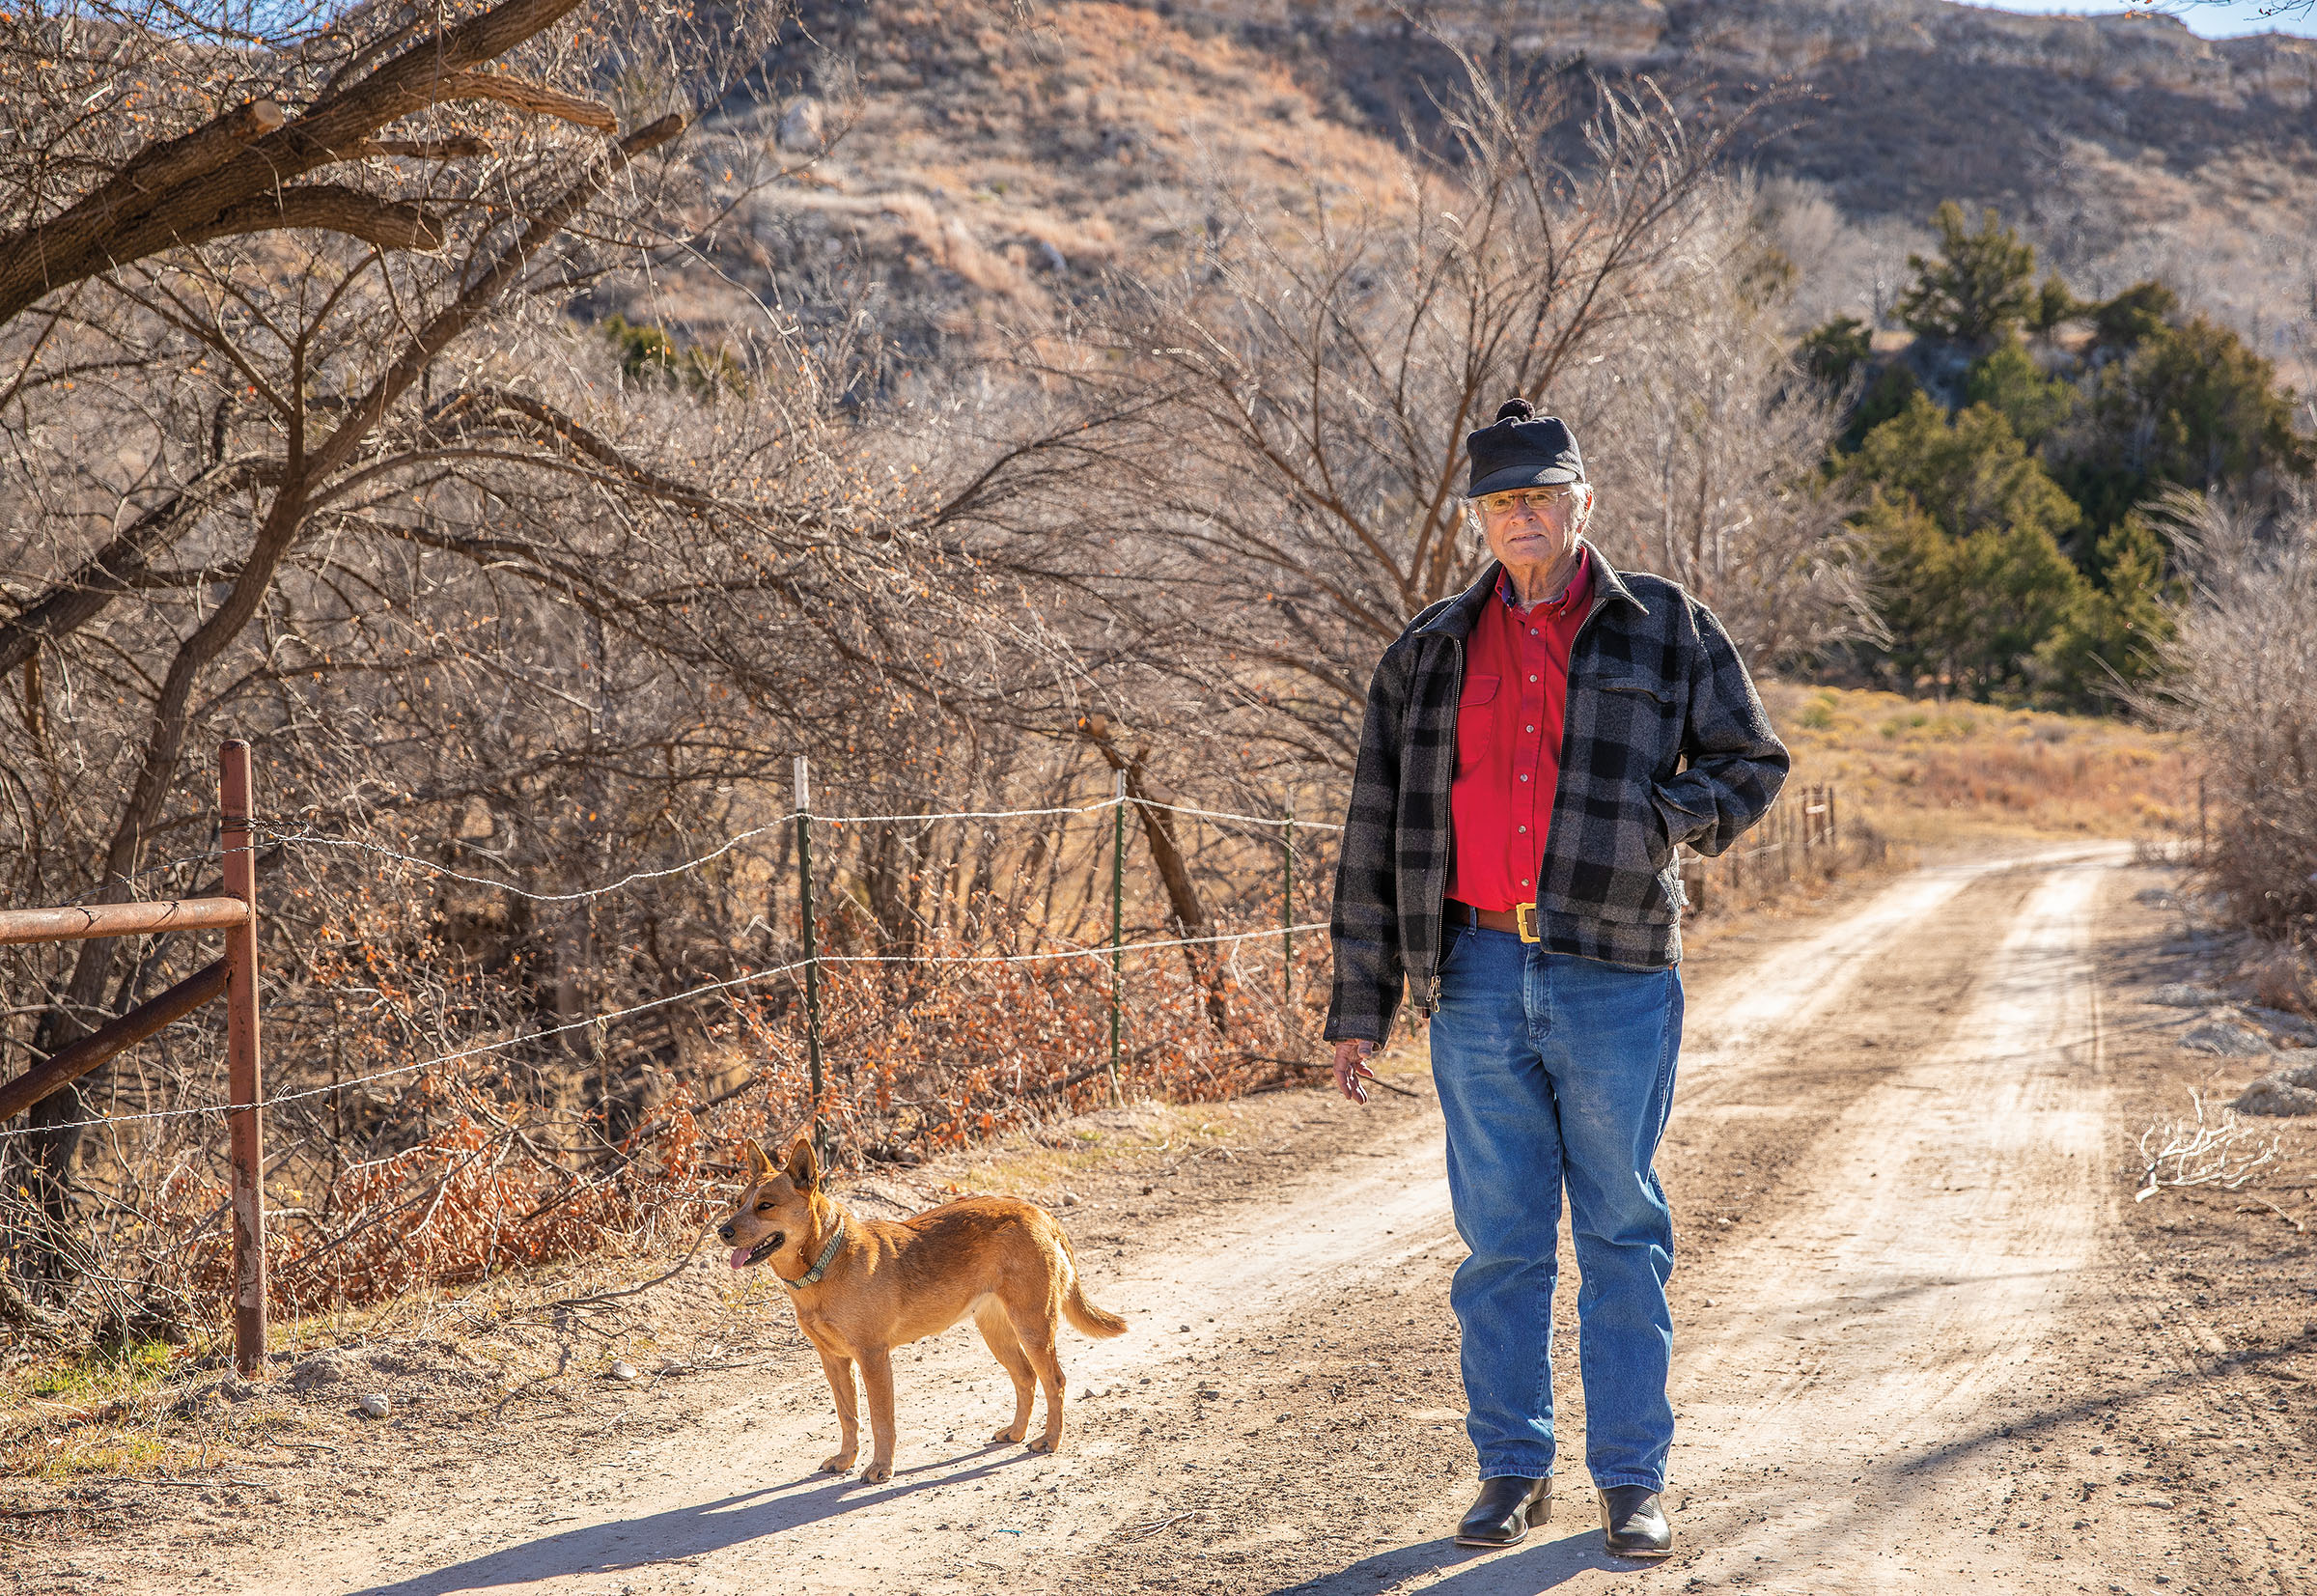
{"x":760,"y":1166}
{"x":804,"y":1165}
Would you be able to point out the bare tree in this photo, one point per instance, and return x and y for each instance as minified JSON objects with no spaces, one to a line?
{"x":1707,"y":437}
{"x":212,"y":362}
{"x":2241,"y":676}
{"x":1272,"y":439}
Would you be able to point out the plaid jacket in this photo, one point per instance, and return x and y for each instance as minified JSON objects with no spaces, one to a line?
{"x":1664,"y":741}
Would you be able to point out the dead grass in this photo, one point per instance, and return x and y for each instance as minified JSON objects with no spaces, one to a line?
{"x":1940,"y":775}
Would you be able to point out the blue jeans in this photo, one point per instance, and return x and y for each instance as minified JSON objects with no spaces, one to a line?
{"x":1558,"y":1071}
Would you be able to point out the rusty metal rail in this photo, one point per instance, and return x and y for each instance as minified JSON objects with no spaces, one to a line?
{"x":234,"y":976}
{"x":88,"y":920}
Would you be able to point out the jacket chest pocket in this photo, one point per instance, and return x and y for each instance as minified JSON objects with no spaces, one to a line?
{"x":1639,"y":716}
{"x":1475,"y":722}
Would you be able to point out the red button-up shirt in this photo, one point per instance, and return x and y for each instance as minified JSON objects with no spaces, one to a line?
{"x":1508,"y":740}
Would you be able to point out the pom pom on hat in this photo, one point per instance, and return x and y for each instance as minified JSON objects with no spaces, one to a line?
{"x":1516,"y":408}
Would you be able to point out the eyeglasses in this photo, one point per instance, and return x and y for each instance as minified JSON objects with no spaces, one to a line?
{"x":1536,"y":500}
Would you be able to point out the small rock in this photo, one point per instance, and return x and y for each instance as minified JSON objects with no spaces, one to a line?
{"x":1069,"y":1199}
{"x":2276,"y":1096}
{"x":321,"y":1369}
{"x":801,"y":124}
{"x":375,"y":1404}
{"x":2227,"y":1038}
{"x":2278,"y":1022}
{"x":2183,"y":994}
{"x":622,"y":1370}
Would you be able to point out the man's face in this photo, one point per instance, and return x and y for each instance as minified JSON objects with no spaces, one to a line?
{"x":1534,"y":525}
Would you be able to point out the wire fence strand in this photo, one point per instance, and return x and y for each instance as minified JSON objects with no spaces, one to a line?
{"x":322,"y":839}
{"x":687,"y":995}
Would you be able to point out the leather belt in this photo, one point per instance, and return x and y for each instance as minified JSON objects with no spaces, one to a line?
{"x":1520,"y":919}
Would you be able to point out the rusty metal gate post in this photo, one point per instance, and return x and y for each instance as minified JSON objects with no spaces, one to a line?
{"x":245,"y":1080}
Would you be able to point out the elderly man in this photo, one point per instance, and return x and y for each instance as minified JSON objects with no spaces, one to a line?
{"x":1535,"y":750}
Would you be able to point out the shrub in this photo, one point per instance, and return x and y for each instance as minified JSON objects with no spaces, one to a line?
{"x":2243,"y":680}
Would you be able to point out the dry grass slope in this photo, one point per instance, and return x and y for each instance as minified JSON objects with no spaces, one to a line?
{"x":1931,"y":774}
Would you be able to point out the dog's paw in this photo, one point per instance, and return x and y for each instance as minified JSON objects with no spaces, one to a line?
{"x":837,"y":1464}
{"x":1046,"y":1444}
{"x":1008,"y":1432}
{"x":876,"y":1473}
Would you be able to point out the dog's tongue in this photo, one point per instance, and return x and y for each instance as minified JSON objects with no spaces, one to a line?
{"x":740,"y":1257}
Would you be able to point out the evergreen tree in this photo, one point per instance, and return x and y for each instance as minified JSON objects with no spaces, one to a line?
{"x":2138,"y":312}
{"x":1834,"y":353}
{"x":2054,"y":304}
{"x":1963,"y":530}
{"x":2110,"y":637}
{"x":1981,"y":286}
{"x":2190,"y":406}
{"x":2008,"y":380}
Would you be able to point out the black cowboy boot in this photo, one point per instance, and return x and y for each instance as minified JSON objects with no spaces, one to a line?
{"x":1632,"y":1523}
{"x":1506,"y":1506}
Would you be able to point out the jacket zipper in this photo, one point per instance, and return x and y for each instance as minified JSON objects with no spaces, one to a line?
{"x":1440,"y":897}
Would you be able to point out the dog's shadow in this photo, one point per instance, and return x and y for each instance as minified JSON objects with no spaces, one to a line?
{"x":687,"y":1531}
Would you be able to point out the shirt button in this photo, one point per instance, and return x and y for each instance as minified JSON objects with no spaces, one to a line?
{"x":1525,"y":880}
{"x":1528,"y":728}
{"x":1524,"y":830}
{"x":1532,"y":679}
{"x":1532,"y":632}
{"x":1524,"y":775}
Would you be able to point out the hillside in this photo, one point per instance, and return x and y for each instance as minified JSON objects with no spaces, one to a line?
{"x":990,"y":161}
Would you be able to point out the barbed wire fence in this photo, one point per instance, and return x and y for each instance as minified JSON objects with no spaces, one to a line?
{"x":443,"y":1167}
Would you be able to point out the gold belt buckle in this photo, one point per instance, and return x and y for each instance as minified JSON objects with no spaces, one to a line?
{"x":1524,"y":917}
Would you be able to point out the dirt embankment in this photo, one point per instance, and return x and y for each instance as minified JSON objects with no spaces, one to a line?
{"x":1925,"y":1338}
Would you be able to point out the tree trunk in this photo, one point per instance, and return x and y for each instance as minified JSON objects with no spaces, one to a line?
{"x":1189,"y":915}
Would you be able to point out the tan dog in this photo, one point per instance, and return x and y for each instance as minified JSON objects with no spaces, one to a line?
{"x":863,"y":1287}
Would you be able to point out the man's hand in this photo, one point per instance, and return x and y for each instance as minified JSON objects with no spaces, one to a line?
{"x":1352,"y":1067}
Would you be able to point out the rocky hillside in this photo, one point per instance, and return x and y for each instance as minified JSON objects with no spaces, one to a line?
{"x":991,"y":158}
{"x":2123,"y":145}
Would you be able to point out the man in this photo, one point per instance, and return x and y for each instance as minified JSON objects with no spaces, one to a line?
{"x":1535,"y":750}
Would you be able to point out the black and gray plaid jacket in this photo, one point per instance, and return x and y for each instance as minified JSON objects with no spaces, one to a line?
{"x":1664,"y":741}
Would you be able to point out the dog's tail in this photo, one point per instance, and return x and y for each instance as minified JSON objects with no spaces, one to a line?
{"x":1090,"y":1320}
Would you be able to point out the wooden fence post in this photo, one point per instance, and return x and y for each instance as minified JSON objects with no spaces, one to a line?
{"x":245,"y":1129}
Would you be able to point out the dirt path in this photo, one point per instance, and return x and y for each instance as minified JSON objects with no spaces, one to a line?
{"x":1901,"y":1310}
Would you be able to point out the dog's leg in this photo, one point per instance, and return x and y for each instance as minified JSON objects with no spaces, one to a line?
{"x":998,"y":1331}
{"x":1038,"y":1340}
{"x":877,"y":1384}
{"x":840,"y":1386}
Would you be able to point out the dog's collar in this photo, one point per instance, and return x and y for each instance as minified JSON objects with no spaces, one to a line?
{"x":811,"y":1275}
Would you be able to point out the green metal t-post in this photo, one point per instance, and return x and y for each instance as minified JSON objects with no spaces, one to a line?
{"x":1287,"y":916}
{"x":1118,"y":910}
{"x":812,"y":952}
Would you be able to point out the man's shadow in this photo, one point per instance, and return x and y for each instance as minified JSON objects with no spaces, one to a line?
{"x":687,"y":1531}
{"x":1526,"y":1572}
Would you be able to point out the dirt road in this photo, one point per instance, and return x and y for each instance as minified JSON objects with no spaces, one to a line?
{"x":1912,"y":1354}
